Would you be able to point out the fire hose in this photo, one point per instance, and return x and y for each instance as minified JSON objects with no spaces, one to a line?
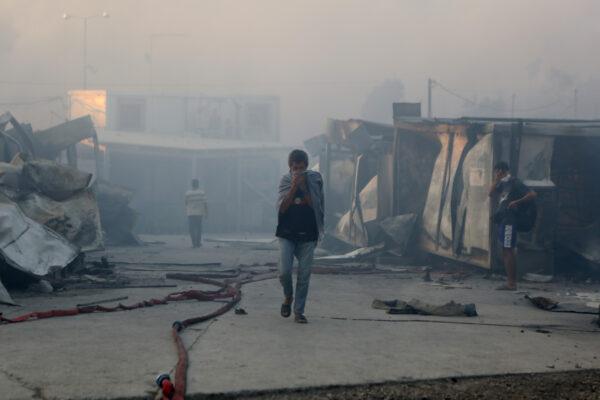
{"x":171,"y":391}
{"x":228,"y":289}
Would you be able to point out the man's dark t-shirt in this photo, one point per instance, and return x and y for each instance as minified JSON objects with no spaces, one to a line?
{"x":509,"y":191}
{"x":298,"y":223}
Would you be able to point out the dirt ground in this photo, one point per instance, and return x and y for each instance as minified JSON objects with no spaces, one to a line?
{"x":573,"y":385}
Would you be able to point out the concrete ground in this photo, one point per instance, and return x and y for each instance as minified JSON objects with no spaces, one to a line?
{"x":118,"y":355}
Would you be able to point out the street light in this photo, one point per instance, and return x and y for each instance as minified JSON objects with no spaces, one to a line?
{"x":67,"y":16}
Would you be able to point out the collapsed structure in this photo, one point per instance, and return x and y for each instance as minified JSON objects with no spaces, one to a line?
{"x":48,"y":210}
{"x":425,"y":182}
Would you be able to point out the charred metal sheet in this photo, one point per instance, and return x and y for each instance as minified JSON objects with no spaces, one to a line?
{"x":400,"y":229}
{"x":472,"y":226}
{"x":50,"y":142}
{"x":582,"y":129}
{"x":557,"y":159}
{"x":415,"y":154}
{"x":77,"y":218}
{"x":535,"y":158}
{"x":437,"y":215}
{"x":351,"y":227}
{"x":358,"y":134}
{"x":57,"y":181}
{"x":19,"y":136}
{"x":31,"y":247}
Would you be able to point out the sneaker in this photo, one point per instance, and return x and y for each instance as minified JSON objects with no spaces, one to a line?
{"x":286,"y":310}
{"x":300,"y":319}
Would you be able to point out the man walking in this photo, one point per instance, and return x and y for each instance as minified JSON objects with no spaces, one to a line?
{"x":196,"y":208}
{"x":300,"y":223}
{"x":513,"y":196}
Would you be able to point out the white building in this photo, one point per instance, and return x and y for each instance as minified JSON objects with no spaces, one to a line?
{"x":156,"y":144}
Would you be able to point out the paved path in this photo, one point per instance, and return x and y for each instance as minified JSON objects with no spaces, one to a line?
{"x":118,"y":355}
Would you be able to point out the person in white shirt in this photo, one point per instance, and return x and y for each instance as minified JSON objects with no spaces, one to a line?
{"x":196,"y":208}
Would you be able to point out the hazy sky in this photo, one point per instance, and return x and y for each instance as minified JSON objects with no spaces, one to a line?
{"x":322,"y":57}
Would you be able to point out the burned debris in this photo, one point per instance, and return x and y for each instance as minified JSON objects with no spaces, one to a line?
{"x":49,"y":213}
{"x":420,"y":186}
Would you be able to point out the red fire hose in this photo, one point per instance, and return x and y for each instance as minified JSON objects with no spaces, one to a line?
{"x":230,"y":289}
{"x":169,"y":390}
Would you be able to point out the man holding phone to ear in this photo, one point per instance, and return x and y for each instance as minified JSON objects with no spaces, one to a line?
{"x":300,"y":223}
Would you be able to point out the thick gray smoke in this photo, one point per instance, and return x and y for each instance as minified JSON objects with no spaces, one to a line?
{"x":323,"y":58}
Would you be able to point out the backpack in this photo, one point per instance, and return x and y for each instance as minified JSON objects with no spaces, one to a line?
{"x":526,"y":216}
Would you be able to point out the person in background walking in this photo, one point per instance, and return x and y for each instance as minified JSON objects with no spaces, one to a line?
{"x":196,"y":208}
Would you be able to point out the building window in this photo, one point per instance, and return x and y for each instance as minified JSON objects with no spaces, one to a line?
{"x":131,"y":115}
{"x":258,"y":120}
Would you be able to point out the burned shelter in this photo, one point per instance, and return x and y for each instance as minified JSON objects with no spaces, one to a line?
{"x":425,"y":184}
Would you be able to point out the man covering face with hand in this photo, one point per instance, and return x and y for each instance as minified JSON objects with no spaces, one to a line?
{"x":300,"y":224}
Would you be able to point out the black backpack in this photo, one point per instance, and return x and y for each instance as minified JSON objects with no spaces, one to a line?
{"x":526,"y":216}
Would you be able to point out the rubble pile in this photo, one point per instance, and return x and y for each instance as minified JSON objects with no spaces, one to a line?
{"x":49,"y":213}
{"x":116,"y":216}
{"x":353,"y":157}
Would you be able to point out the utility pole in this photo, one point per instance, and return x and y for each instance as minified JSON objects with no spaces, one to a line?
{"x":575,"y":104}
{"x":85,"y":63}
{"x":429,"y":87}
{"x":512,"y":105}
{"x":66,"y":16}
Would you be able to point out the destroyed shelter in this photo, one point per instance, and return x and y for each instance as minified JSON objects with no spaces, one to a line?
{"x":424,"y":183}
{"x":155,"y":144}
{"x":48,"y":210}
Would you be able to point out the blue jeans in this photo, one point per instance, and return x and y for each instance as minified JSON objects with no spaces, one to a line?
{"x":304,"y":252}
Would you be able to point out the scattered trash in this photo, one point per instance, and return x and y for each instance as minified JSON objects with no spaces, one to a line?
{"x":537,"y":278}
{"x":445,"y":285}
{"x":354,"y":255}
{"x":542,"y":302}
{"x":450,"y":309}
{"x":547,"y":304}
{"x":240,"y":311}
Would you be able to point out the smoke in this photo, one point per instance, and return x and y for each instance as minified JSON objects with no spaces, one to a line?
{"x":378,"y":105}
{"x":8,"y":37}
{"x":323,"y":58}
